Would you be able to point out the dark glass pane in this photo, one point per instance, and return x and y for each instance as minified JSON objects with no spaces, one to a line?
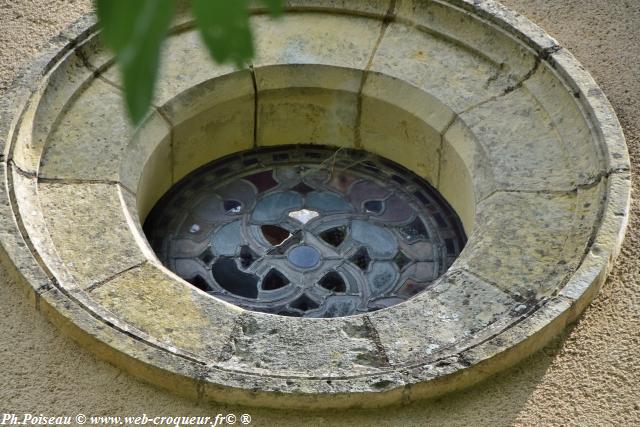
{"x":222,"y":171}
{"x":333,"y":281}
{"x":247,"y":256}
{"x":304,"y":303}
{"x":401,"y":260}
{"x":421,"y":197}
{"x":361,"y":259}
{"x":303,"y":189}
{"x":334,"y":236}
{"x":274,"y":280}
{"x":227,"y":274}
{"x":249,"y":162}
{"x":263,"y":181}
{"x":399,"y":179}
{"x":206,"y":256}
{"x":200,"y":283}
{"x":414,"y":231}
{"x":232,"y":206}
{"x":275,"y":235}
{"x":373,"y":206}
{"x":439,"y":220}
{"x":451,"y":249}
{"x":314,"y":155}
{"x":370,"y":167}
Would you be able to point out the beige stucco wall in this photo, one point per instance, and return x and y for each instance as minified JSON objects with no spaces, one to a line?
{"x":590,"y":376}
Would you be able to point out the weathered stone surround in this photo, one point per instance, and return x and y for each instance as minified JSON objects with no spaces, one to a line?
{"x":493,"y":113}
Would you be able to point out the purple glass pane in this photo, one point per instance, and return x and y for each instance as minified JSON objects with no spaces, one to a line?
{"x":366,"y":190}
{"x":263,"y":181}
{"x":397,"y":210}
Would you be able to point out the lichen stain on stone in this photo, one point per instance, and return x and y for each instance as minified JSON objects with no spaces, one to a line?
{"x":189,"y":321}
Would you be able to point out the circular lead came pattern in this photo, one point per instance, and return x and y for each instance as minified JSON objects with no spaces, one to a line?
{"x":307,"y":231}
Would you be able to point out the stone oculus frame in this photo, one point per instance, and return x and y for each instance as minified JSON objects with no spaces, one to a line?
{"x":474,"y":98}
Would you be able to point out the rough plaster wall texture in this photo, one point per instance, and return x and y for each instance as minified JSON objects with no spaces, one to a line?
{"x":589,"y":376}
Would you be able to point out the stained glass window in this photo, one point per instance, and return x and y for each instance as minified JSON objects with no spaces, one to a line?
{"x":306,"y":231}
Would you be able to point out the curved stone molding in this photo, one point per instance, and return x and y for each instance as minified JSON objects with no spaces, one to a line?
{"x":473,"y":98}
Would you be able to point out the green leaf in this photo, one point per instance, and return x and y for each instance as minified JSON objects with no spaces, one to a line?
{"x":134,"y":30}
{"x":275,"y":6}
{"x":224,"y":25}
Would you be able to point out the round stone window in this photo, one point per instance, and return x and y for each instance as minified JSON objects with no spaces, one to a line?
{"x":307,"y":276}
{"x":306,"y":231}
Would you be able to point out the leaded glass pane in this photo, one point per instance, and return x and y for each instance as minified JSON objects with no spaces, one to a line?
{"x":306,"y":231}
